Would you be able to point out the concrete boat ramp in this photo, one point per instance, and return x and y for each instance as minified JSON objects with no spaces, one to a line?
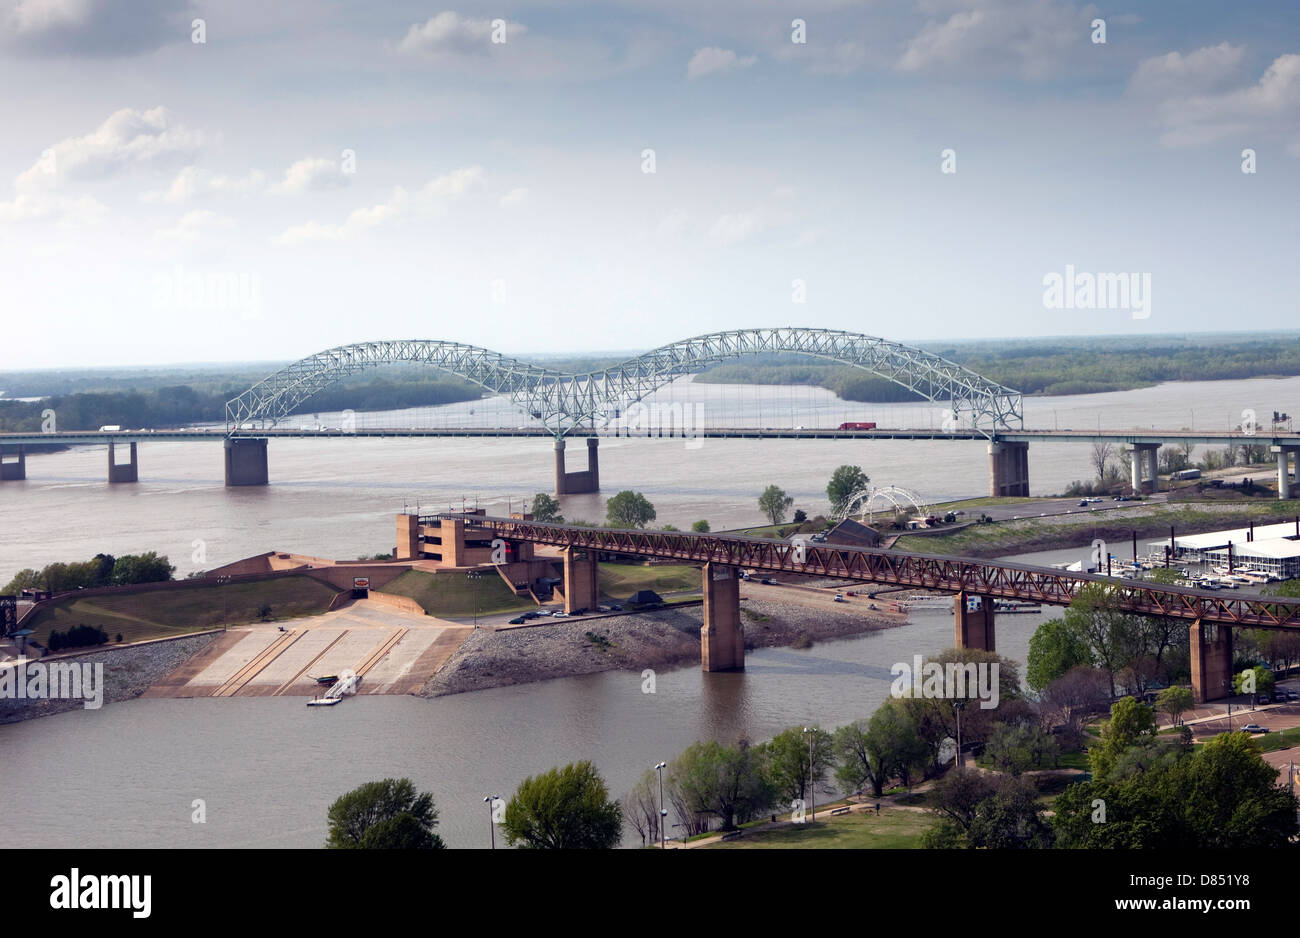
{"x":393,"y":651}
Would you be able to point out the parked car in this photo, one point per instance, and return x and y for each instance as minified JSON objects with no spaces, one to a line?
{"x":534,"y":615}
{"x":768,"y":581}
{"x":840,"y":599}
{"x":1083,"y":503}
{"x":616,"y":608}
{"x":518,"y":620}
{"x":1292,"y":695}
{"x":1255,"y":728}
{"x":1263,"y":699}
{"x":560,"y":615}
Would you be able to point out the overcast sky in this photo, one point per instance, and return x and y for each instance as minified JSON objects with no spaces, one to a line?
{"x":315,"y":174}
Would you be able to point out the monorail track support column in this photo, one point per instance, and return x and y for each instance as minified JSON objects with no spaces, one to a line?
{"x":245,"y":461}
{"x":13,"y":471}
{"x":1211,"y":647}
{"x":125,"y":472}
{"x":973,"y":620}
{"x":581,"y":580}
{"x":722,"y":637}
{"x":1008,"y":469}
{"x":576,"y":483}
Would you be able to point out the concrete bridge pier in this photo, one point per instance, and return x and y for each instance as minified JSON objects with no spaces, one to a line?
{"x":13,"y":471}
{"x":1284,"y":454}
{"x":575,"y":483}
{"x":122,"y":472}
{"x":973,"y":617}
{"x":1008,"y":469}
{"x":1211,"y":646}
{"x":1144,"y":468}
{"x":722,"y":637}
{"x":245,"y":461}
{"x":581,"y":580}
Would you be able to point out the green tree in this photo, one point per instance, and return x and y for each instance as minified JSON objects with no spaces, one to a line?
{"x":565,"y":808}
{"x":726,"y":782}
{"x":1054,"y":649}
{"x":384,"y":815}
{"x":1219,"y":795}
{"x":1017,"y":748}
{"x":774,"y":503}
{"x":786,"y":758}
{"x":1175,"y":701}
{"x":800,"y":516}
{"x":700,"y":527}
{"x":629,"y":509}
{"x":148,"y":567}
{"x":546,"y":509}
{"x":861,"y":757}
{"x":1130,"y":721}
{"x":27,"y":579}
{"x":1256,"y":680}
{"x":845,"y":481}
{"x":893,"y":736}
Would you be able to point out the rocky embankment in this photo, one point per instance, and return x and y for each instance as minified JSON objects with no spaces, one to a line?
{"x":128,"y":671}
{"x":667,"y":638}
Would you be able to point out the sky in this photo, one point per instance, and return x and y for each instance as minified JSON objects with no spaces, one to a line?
{"x":182,"y":181}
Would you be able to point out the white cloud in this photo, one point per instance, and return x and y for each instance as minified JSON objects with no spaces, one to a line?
{"x":711,"y":60}
{"x":35,"y":16}
{"x":1035,"y":36}
{"x":192,"y":225}
{"x":128,"y":138}
{"x":191,"y":182}
{"x":1201,"y":70}
{"x":1269,"y":106}
{"x":513,"y":197}
{"x":431,"y":197}
{"x":449,"y":32}
{"x":736,"y":227}
{"x":313,"y":173}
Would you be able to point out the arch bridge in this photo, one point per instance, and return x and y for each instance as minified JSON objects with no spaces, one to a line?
{"x":567,"y":402}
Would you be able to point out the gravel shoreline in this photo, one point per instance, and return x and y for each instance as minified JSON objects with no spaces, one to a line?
{"x":129,"y":671}
{"x":669,"y":637}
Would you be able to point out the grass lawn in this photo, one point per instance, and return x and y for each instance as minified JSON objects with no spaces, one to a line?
{"x":770,"y":530}
{"x":621,"y":580}
{"x":966,"y":504}
{"x":164,"y":613}
{"x":447,"y":594}
{"x":893,"y":829}
{"x":1270,"y":742}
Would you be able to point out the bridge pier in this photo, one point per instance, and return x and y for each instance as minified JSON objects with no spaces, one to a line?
{"x":722,"y":636}
{"x":245,"y":461}
{"x":1008,"y":469}
{"x":1284,"y":468}
{"x":122,"y":472}
{"x":1211,"y":647}
{"x":1144,"y":463}
{"x":581,"y":580}
{"x":13,"y":471}
{"x":973,"y":626}
{"x":576,"y":483}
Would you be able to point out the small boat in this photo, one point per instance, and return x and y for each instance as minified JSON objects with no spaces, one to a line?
{"x":327,"y":679}
{"x":323,"y":701}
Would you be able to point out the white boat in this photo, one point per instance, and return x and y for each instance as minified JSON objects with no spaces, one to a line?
{"x":323,"y":701}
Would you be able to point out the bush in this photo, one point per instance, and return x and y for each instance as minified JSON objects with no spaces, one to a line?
{"x":264,"y":612}
{"x":79,"y":636}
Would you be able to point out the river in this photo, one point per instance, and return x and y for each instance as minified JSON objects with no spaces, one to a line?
{"x":267,"y":768}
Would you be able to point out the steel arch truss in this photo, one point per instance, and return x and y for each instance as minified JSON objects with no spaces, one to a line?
{"x":874,"y":565}
{"x":563,"y":402}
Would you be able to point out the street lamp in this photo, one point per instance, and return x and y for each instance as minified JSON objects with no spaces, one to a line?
{"x":492,"y":826}
{"x":663,"y":812}
{"x":812,"y":789}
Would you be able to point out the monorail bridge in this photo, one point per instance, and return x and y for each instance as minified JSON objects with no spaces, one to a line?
{"x":976,"y":583}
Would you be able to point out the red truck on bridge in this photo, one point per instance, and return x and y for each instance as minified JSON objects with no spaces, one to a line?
{"x":858,"y":425}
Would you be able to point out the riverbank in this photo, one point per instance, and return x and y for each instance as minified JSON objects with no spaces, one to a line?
{"x":128,"y":671}
{"x":662,"y":639}
{"x":1117,"y":525}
